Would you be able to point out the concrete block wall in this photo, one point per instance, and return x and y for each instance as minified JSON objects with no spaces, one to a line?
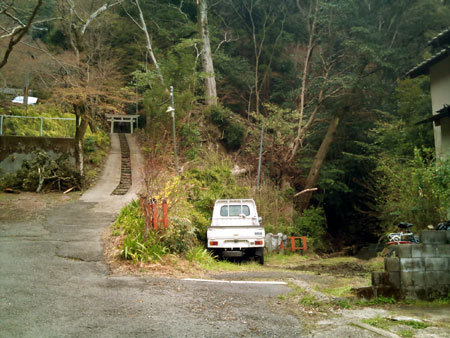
{"x":418,"y":271}
{"x":14,"y":150}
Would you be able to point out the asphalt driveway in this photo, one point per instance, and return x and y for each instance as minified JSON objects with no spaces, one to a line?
{"x":53,"y":282}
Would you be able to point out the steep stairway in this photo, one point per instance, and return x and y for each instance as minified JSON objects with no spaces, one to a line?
{"x":125,"y":172}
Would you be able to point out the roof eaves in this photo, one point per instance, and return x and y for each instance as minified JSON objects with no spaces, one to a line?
{"x":440,"y":39}
{"x":436,"y":118}
{"x":424,"y":67}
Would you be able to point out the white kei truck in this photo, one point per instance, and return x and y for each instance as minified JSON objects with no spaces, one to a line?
{"x":236,"y":230}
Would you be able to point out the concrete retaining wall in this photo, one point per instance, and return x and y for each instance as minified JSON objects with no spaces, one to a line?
{"x":14,"y":150}
{"x":418,"y":271}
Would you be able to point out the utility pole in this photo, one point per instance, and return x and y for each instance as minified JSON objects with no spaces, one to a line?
{"x":260,"y":158}
{"x":137,"y":97}
{"x":26,"y":90}
{"x":172,"y":111}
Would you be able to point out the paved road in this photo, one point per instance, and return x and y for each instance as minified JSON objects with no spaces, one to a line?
{"x":54,"y":284}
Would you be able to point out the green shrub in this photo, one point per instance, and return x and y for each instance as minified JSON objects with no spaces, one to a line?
{"x":440,"y":175}
{"x":233,"y":136}
{"x":180,"y":236}
{"x":415,"y":191}
{"x":95,"y":147}
{"x":233,"y":132}
{"x":189,"y":140}
{"x":312,"y":224}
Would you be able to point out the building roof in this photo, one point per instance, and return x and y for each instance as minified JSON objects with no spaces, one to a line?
{"x":21,"y":99}
{"x":436,"y":118}
{"x":442,"y":41}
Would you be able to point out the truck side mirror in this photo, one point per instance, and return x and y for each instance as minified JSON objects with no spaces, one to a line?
{"x":260,"y":220}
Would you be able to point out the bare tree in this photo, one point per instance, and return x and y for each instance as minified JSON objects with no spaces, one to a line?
{"x":84,"y":91}
{"x":268,"y":16}
{"x":18,"y":28}
{"x":207,"y":61}
{"x":141,"y":24}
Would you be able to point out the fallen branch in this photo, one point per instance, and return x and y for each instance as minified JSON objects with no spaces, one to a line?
{"x":305,"y":191}
{"x":68,"y":190}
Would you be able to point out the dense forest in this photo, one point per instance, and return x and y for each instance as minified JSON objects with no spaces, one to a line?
{"x":324,"y":78}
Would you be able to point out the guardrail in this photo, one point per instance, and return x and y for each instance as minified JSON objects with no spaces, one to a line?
{"x":42,"y":118}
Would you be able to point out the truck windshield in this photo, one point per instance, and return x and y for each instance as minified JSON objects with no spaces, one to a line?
{"x":234,"y":210}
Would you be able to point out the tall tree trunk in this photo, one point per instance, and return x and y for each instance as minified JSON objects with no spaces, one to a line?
{"x":319,"y":159}
{"x":81,"y":127}
{"x":207,"y":61}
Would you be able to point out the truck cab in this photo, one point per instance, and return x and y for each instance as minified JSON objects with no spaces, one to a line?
{"x":236,"y":230}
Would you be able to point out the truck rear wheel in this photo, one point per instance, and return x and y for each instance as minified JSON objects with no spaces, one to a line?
{"x":260,"y":255}
{"x":261,"y":259}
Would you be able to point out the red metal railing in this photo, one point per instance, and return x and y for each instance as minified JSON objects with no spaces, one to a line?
{"x":151,"y":209}
{"x":293,"y":248}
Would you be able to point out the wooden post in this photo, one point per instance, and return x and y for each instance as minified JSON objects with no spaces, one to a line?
{"x":155,"y":215}
{"x":304,"y":244}
{"x":165,"y":215}
{"x":293,"y":244}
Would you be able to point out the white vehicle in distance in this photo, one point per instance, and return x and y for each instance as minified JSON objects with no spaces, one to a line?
{"x":236,"y":230}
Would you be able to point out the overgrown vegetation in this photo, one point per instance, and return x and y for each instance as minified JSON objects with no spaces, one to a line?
{"x":232,"y":132}
{"x":313,"y":224}
{"x":415,"y":190}
{"x":31,"y":126}
{"x":42,"y":171}
{"x":191,"y":197}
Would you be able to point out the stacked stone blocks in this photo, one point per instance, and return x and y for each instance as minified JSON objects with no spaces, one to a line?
{"x":419,"y":271}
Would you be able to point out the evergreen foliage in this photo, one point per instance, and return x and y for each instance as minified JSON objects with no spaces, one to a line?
{"x":233,"y":132}
{"x":313,"y":224}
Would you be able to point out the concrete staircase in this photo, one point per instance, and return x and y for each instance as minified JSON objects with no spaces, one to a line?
{"x":125,"y":172}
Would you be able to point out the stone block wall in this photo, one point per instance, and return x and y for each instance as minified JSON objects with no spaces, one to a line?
{"x":418,"y":271}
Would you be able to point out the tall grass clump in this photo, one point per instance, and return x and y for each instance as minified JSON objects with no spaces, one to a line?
{"x":137,"y":245}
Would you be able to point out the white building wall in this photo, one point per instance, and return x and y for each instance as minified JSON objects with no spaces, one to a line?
{"x":440,"y":95}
